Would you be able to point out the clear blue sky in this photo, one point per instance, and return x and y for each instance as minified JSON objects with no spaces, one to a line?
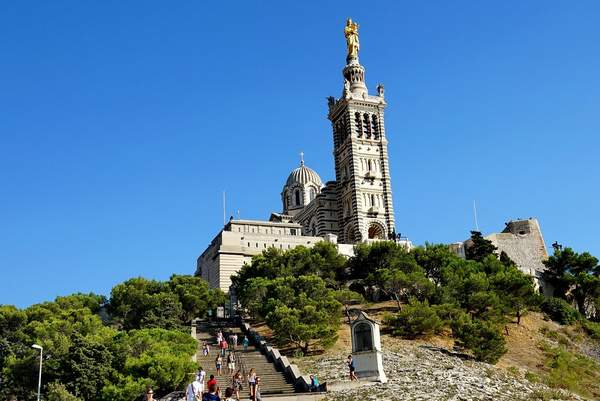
{"x":122,"y":122}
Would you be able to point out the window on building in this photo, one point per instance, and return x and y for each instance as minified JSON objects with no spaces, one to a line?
{"x":312,"y":194}
{"x":297,"y":197}
{"x":358,"y":124}
{"x":293,"y":231}
{"x":367,"y":125}
{"x":375,"y":125}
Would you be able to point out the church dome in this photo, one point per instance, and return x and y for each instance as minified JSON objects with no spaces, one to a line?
{"x":304,"y":175}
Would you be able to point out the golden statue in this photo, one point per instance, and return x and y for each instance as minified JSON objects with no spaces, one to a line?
{"x":351,"y":34}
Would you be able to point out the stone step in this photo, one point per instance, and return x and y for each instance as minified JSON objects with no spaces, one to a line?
{"x":273,"y":381}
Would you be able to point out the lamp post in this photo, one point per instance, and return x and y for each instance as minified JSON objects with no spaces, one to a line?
{"x":40,"y":373}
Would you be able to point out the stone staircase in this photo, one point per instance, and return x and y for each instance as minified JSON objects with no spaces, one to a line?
{"x":273,"y":381}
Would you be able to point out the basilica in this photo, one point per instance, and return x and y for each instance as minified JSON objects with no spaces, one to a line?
{"x":356,"y":207}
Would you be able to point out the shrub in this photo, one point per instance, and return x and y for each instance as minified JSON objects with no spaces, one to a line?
{"x":592,"y":328}
{"x":560,"y":311}
{"x":58,"y":392}
{"x":483,"y":338}
{"x":415,"y":319}
{"x":573,"y":372}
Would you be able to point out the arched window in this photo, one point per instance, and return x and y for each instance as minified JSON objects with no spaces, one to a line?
{"x":312,"y":194}
{"x":363,"y":338}
{"x":358,"y":123}
{"x":375,"y":125}
{"x":367,"y":125}
{"x":297,"y":197}
{"x":376,"y":231}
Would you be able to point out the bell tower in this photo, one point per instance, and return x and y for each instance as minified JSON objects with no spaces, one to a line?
{"x":365,"y":207}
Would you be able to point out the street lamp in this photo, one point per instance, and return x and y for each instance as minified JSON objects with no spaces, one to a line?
{"x":40,"y":375}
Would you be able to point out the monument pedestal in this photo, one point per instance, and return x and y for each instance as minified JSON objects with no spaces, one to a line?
{"x":369,"y":366}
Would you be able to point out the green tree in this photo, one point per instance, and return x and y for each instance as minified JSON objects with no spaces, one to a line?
{"x":415,"y":319}
{"x":88,"y":366}
{"x":195,"y":296}
{"x":433,"y":258}
{"x":369,"y":258}
{"x":302,"y":311}
{"x":483,"y":338}
{"x":58,"y":392}
{"x":516,"y":291}
{"x":479,"y":247}
{"x":401,"y":285}
{"x":574,"y":277}
{"x":348,"y":297}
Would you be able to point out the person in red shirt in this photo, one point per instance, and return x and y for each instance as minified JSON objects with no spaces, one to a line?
{"x":212,"y":381}
{"x":223,"y":345}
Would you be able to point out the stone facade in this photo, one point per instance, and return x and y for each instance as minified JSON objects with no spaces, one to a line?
{"x":523,"y":242}
{"x":239,"y":241}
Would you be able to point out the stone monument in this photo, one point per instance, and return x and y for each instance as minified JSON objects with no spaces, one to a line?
{"x":366,"y":349}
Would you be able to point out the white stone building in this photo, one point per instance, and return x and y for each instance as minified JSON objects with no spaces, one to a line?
{"x":356,"y":207}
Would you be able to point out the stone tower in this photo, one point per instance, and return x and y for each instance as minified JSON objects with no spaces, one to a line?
{"x":365,"y":207}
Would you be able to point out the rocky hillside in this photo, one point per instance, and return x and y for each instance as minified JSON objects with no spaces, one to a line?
{"x":544,"y":360}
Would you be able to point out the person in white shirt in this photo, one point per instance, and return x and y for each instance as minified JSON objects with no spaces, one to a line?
{"x":194,"y":391}
{"x":200,"y":376}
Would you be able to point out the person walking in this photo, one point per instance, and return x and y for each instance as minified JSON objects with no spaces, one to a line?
{"x":234,"y":339}
{"x":237,"y":384}
{"x":223,"y":345}
{"x":219,"y":364}
{"x":211,"y":381}
{"x":200,"y":376}
{"x":230,"y":363}
{"x":252,"y":383}
{"x":352,"y":368}
{"x":245,"y":343}
{"x":212,"y":394}
{"x":229,"y":395}
{"x":257,"y":396}
{"x":193,"y":391}
{"x":206,"y":349}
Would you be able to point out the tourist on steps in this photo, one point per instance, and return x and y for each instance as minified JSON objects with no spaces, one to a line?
{"x":200,"y":376}
{"x":230,"y":363}
{"x":237,"y":384}
{"x":252,"y":383}
{"x":219,"y":364}
{"x":229,"y":395}
{"x":257,"y":396}
{"x":245,"y":343}
{"x":350,"y":363}
{"x":314,"y":383}
{"x":193,"y":391}
{"x":223,"y":345}
{"x":211,"y":381}
{"x":206,"y":349}
{"x":213,"y":394}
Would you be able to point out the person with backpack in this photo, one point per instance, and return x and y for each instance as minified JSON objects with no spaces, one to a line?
{"x":193,"y":391}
